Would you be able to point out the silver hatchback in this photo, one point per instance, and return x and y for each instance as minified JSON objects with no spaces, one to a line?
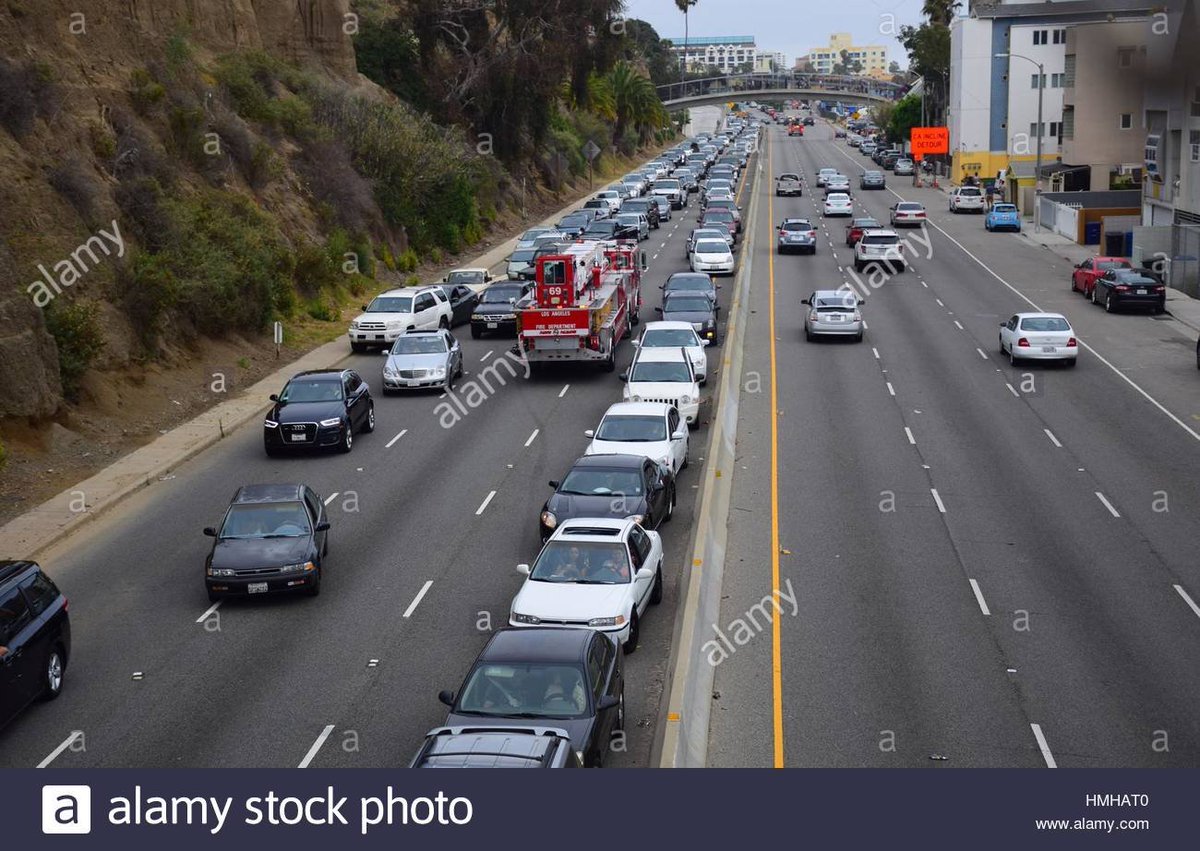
{"x":833,"y":313}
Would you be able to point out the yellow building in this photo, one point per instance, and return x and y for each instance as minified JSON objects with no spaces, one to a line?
{"x":872,"y":58}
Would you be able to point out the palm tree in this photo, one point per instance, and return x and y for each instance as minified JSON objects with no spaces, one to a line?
{"x":635,"y":102}
{"x":683,"y":6}
{"x":940,"y":12}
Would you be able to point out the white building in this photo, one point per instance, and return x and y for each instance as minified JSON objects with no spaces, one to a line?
{"x":772,"y":62}
{"x":725,"y":52}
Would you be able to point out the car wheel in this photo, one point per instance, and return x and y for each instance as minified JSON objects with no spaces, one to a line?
{"x":271,"y":453}
{"x":214,"y":597}
{"x":1012,"y":357}
{"x":314,"y":590}
{"x":620,"y":725}
{"x":369,"y":426}
{"x":631,"y":643}
{"x":1108,"y":303}
{"x":670,"y":507}
{"x":1071,"y":362}
{"x":807,"y":334}
{"x":358,"y":348}
{"x":52,"y":673}
{"x":859,"y":338}
{"x":1000,"y":342}
{"x":656,"y":593}
{"x":1074,"y":286}
{"x":347,"y":439}
{"x":1094,"y":300}
{"x":476,"y":333}
{"x":444,"y":323}
{"x":448,"y":384}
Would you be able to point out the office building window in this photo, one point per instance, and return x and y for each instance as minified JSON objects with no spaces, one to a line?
{"x":1126,"y":120}
{"x":1060,"y":36}
{"x":1057,"y":80}
{"x":1033,"y":129}
{"x":1125,"y":57}
{"x":1194,"y":141}
{"x":1055,"y":129}
{"x":1039,"y":37}
{"x":1034,"y":79}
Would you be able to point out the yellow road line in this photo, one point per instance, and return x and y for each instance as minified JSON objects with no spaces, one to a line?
{"x":776,"y":654}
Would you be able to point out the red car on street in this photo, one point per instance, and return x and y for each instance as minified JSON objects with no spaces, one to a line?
{"x":854,"y":230}
{"x":1083,"y":278}
{"x":796,"y":130}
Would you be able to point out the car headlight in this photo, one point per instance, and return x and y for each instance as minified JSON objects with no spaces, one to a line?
{"x":330,"y":423}
{"x":636,"y":518}
{"x":301,"y":567}
{"x":354,"y":325}
{"x":549,"y":520}
{"x":270,"y":424}
{"x":390,"y":372}
{"x":633,"y":397}
{"x":619,"y":620}
{"x":685,"y":399}
{"x":517,"y":617}
{"x":220,"y":572}
{"x":440,"y":372}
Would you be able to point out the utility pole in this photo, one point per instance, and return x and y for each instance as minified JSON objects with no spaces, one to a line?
{"x":1037,"y":169}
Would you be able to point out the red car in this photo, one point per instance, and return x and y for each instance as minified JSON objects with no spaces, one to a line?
{"x":854,"y":230}
{"x":796,"y":130}
{"x":1083,"y":279}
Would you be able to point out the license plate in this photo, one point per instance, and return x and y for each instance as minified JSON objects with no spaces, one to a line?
{"x":493,"y":325}
{"x":835,"y":318}
{"x":1049,"y":349}
{"x":1141,"y":292}
{"x":297,"y":438}
{"x":256,"y":588}
{"x":412,"y":382}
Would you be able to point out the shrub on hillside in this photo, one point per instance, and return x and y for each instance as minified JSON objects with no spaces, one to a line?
{"x":76,"y":331}
{"x":26,"y":92}
{"x":72,"y":181}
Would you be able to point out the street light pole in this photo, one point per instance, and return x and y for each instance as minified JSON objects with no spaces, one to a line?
{"x":1037,"y":174}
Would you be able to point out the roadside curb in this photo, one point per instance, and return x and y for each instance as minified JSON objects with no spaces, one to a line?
{"x":684,"y":731}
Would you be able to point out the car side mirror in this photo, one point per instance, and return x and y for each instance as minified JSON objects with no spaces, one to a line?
{"x":607,"y":702}
{"x":364,"y":307}
{"x":446,"y":696}
{"x":624,"y":376}
{"x":705,"y":343}
{"x":680,"y":434}
{"x":589,"y":432}
{"x":1003,"y":324}
{"x":805,"y":301}
{"x":861,"y":302}
{"x":523,"y":569}
{"x":323,"y":526}
{"x":658,"y":310}
{"x":554,"y":484}
{"x":644,"y":573}
{"x":210,"y":531}
{"x":274,"y":397}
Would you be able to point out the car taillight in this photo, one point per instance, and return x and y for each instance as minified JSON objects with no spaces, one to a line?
{"x":1120,"y":288}
{"x":66,"y":604}
{"x":1160,"y":289}
{"x":812,"y":233}
{"x":812,"y":317}
{"x":1023,"y":343}
{"x":1071,"y":344}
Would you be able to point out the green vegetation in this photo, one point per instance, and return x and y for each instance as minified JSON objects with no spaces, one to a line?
{"x":76,"y":331}
{"x":3,"y":455}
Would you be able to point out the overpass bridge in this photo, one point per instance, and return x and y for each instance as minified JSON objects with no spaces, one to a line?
{"x":862,"y":91}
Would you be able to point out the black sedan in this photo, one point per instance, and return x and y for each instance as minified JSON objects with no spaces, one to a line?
{"x":1119,"y":288}
{"x":611,"y":486}
{"x":462,"y":301}
{"x":606,"y":229}
{"x":571,"y":679}
{"x":691,"y":282}
{"x":496,"y":312}
{"x":317,"y":410}
{"x":273,"y":539}
{"x":693,"y":307}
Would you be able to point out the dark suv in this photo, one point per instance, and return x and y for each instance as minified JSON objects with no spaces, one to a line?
{"x":35,"y":637}
{"x":496,"y":747}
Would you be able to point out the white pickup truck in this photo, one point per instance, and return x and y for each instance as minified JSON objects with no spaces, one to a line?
{"x":788,"y":184}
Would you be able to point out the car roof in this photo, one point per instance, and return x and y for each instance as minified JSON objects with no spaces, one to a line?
{"x":10,"y":568}
{"x":1042,"y":316}
{"x":267,"y":493}
{"x":320,"y":374}
{"x":407,"y":290}
{"x":537,"y":644}
{"x":638,"y":409}
{"x":663,"y":354}
{"x":469,"y":269}
{"x":797,"y":219}
{"x":486,"y":747}
{"x":880,"y":232}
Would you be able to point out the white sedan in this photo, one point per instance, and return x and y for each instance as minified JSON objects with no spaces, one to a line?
{"x":713,"y":256}
{"x":666,"y":334}
{"x":593,"y":572}
{"x":838,"y":204}
{"x":1038,"y":336}
{"x":652,"y":429}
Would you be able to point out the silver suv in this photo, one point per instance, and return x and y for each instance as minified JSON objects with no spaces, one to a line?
{"x":833,"y":313}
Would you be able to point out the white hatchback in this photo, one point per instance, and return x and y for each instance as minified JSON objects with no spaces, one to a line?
{"x":666,"y":376}
{"x":838,"y":204}
{"x":1038,"y":336}
{"x":650,"y":429}
{"x":713,"y":256}
{"x":666,"y":334}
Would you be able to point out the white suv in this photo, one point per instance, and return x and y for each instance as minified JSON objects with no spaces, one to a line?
{"x":669,"y":334}
{"x":881,"y":246}
{"x":966,"y":198}
{"x":664,"y":375}
{"x":396,"y":312}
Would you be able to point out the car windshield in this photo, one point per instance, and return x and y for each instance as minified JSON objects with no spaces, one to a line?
{"x":671,"y":371}
{"x":532,"y":232}
{"x":866,"y":223}
{"x":873,"y":175}
{"x":837,"y":198}
{"x":271,"y":520}
{"x":718,"y":216}
{"x":669,"y":338}
{"x":712,"y":246}
{"x":628,"y":219}
{"x":590,"y":481}
{"x":1004,"y":208}
{"x":970,"y":190}
{"x":835,"y":301}
{"x":1045,"y":323}
{"x":909,"y":208}
{"x":390,"y":304}
{"x":531,"y":690}
{"x":461,"y":277}
{"x":881,"y":239}
{"x":687,"y":302}
{"x":583,"y":562}
{"x":799,"y":226}
{"x":631,"y":429}
{"x":697,"y":283}
{"x":574,"y":221}
{"x":667,"y":184}
{"x":710,"y":233}
{"x":500,"y":295}
{"x":789,"y":177}
{"x":522,"y":255}
{"x":1131,"y":276}
{"x":419,"y":344}
{"x":312,"y":390}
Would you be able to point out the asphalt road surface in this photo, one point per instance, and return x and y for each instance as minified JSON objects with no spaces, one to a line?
{"x":990,"y":566}
{"x":429,"y":523}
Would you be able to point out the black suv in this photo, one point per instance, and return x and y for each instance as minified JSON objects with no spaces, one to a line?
{"x":319,"y":409}
{"x":273,"y":539}
{"x":497,"y":747}
{"x":646,"y":206}
{"x":35,"y":637}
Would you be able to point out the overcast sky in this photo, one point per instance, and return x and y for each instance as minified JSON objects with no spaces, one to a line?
{"x":790,"y":26}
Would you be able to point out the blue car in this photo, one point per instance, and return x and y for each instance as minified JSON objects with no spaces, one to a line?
{"x":1003,"y":217}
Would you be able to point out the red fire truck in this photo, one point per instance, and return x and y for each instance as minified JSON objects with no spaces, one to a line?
{"x":585,"y":302}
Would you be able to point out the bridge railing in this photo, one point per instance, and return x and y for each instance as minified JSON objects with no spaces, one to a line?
{"x":747,"y":84}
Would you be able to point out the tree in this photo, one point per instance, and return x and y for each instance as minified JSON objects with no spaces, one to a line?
{"x":928,"y":49}
{"x":684,"y":6}
{"x":894,"y":67}
{"x":635,"y":102}
{"x":905,"y":116}
{"x":940,"y":12}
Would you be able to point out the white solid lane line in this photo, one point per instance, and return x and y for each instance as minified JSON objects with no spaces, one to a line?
{"x":959,"y":324}
{"x":982,"y":353}
{"x":1187,"y":599}
{"x":1045,"y":748}
{"x":979,"y":597}
{"x":938,"y":499}
{"x":397,"y":437}
{"x":939,"y":301}
{"x":925,"y":285}
{"x":75,"y":734}
{"x":909,"y":434}
{"x":209,"y":611}
{"x":1107,"y":504}
{"x":331,"y":497}
{"x":485,"y":357}
{"x":563,"y":392}
{"x":316,"y":746}
{"x":891,"y":389}
{"x":483,"y":506}
{"x":1053,"y":439}
{"x":412,"y":607}
{"x":532,"y":438}
{"x":875,"y":352}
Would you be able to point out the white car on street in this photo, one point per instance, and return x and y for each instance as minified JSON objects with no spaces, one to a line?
{"x":596,"y":573}
{"x":666,"y":334}
{"x":666,"y":376}
{"x":398,"y":311}
{"x":964,"y":198}
{"x":652,"y":429}
{"x":1038,"y":336}
{"x":613,"y":197}
{"x":713,"y":256}
{"x":838,"y":204}
{"x":824,"y":174}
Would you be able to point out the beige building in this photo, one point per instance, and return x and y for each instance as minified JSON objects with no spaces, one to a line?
{"x":1103,"y":92}
{"x":872,"y":58}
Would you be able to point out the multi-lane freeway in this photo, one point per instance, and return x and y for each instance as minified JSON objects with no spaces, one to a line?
{"x":991,"y":566}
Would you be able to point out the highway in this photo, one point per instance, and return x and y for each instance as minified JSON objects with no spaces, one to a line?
{"x":990,"y":566}
{"x":429,"y":523}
